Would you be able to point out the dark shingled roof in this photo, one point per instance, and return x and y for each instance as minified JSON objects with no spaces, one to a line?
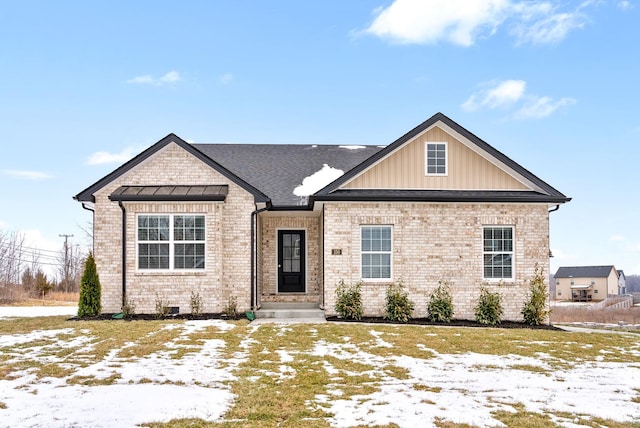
{"x":271,"y":172}
{"x":584,"y":272}
{"x":277,"y":169}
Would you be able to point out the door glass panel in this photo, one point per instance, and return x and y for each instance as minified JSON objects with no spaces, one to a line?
{"x":291,"y":252}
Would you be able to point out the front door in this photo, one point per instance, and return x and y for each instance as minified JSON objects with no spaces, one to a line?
{"x":291,"y":261}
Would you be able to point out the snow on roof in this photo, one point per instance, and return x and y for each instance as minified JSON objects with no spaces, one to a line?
{"x":317,"y":180}
{"x":352,"y":147}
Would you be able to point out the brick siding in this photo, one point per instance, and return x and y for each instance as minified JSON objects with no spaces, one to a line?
{"x":433,"y":242}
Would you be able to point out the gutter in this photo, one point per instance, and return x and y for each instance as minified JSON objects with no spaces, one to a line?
{"x":254,"y":253}
{"x":124,"y":253}
{"x":557,"y":207}
{"x":93,"y":224}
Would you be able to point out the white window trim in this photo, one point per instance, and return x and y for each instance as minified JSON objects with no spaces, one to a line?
{"x":426,"y":159}
{"x":512,"y":252}
{"x":171,"y":242}
{"x":376,"y":252}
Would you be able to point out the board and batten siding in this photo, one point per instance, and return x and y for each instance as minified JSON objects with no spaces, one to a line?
{"x":405,"y":169}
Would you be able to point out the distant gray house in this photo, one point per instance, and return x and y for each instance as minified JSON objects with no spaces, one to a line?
{"x":622,"y":283}
{"x":286,"y":223}
{"x":586,"y":283}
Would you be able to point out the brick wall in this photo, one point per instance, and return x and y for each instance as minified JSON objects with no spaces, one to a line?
{"x":269,"y":243}
{"x":433,"y":242}
{"x":228,"y":253}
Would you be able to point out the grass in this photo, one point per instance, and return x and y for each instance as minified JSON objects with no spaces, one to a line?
{"x":288,"y":375}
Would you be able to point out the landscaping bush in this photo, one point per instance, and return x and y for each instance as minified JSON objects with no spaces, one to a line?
{"x":440,"y":307}
{"x":398,"y":306}
{"x":489,"y":310}
{"x":231,"y":310}
{"x":535,"y":310}
{"x":349,"y":300}
{"x":90,"y":290}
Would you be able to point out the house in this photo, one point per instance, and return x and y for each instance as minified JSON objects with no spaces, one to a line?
{"x":286,"y":223}
{"x":586,"y":283}
{"x":622,"y":283}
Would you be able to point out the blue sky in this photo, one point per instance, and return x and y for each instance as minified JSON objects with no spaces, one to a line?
{"x":84,"y":86}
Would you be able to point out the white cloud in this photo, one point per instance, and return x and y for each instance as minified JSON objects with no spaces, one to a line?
{"x":539,"y":107}
{"x":502,"y":94}
{"x":457,"y":21}
{"x":147,"y":79}
{"x":541,"y":24}
{"x":317,"y":180}
{"x":463,"y":22}
{"x":100,"y":158}
{"x":625,"y":5}
{"x":27,"y":175}
{"x":616,"y":238}
{"x":226,"y":78}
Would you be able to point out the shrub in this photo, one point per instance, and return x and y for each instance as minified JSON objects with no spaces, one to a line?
{"x":195,"y":302}
{"x":535,"y":310}
{"x":162,"y":310}
{"x":440,"y":307}
{"x":129,"y":307}
{"x":349,"y":300}
{"x":489,"y":310}
{"x":90,"y":290}
{"x":231,"y":310}
{"x":398,"y":306}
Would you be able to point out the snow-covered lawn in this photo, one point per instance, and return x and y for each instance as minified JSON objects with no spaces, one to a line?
{"x":415,"y":386}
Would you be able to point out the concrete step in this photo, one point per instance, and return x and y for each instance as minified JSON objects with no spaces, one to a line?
{"x":290,"y":310}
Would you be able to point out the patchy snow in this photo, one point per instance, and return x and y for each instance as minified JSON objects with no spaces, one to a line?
{"x":193,"y":386}
{"x":317,"y":180}
{"x":197,"y":385}
{"x":352,"y":147}
{"x":439,"y":385}
{"x":37,"y":311}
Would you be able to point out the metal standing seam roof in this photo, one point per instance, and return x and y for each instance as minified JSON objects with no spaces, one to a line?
{"x":584,"y":271}
{"x":170,"y":193}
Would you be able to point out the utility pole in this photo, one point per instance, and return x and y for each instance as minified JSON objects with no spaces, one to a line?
{"x":66,"y":261}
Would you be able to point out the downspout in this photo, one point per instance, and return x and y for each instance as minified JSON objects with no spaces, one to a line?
{"x":254,"y":253}
{"x":556,"y":208}
{"x":93,"y":225}
{"x":124,"y":253}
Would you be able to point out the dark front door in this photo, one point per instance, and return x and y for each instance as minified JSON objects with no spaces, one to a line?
{"x":291,"y":262}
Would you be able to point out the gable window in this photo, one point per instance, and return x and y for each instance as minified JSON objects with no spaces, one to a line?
{"x":498,"y":252}
{"x":171,"y":242}
{"x":436,"y":158}
{"x":375,"y":251}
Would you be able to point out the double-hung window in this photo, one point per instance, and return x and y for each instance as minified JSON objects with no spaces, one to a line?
{"x":436,"y":159}
{"x":375,"y":249}
{"x":171,"y":242}
{"x":498,"y":252}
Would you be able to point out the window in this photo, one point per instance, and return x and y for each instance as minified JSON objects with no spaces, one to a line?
{"x":498,"y":252}
{"x":171,"y":242}
{"x":375,"y":248}
{"x":436,"y":159}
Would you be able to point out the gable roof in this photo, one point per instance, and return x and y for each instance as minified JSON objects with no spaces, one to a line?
{"x":271,"y":172}
{"x":584,"y":271}
{"x":87,"y":194}
{"x":541,"y":191}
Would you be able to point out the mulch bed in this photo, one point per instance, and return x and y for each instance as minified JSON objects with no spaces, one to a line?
{"x":369,"y":320}
{"x":453,"y":323}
